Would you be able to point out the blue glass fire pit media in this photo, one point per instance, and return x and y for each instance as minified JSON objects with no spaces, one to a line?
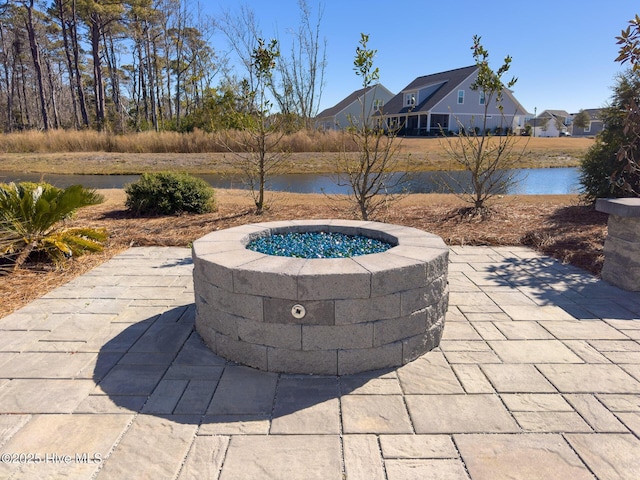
{"x":317,"y":245}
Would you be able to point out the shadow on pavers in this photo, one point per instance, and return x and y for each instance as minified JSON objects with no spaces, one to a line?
{"x":576,"y":291}
{"x":160,"y":366}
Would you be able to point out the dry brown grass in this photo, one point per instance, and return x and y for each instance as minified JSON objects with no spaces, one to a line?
{"x":61,"y":141}
{"x":198,"y":141}
{"x":555,"y":225}
{"x":312,"y":152}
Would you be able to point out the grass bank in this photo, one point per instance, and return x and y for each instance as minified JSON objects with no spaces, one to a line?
{"x":198,"y":152}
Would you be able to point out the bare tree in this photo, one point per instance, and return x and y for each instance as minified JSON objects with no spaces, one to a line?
{"x":35,"y":55}
{"x":59,"y":9}
{"x":76,"y":65}
{"x":559,"y":123}
{"x":260,"y":156}
{"x":98,"y":17}
{"x":242,"y":32}
{"x":542,"y":123}
{"x":582,"y":119}
{"x":373,"y":176}
{"x":8,"y":62}
{"x":302,"y":73}
{"x":488,"y":159}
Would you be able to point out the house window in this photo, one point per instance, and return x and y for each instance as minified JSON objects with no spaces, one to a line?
{"x":482,"y":99}
{"x":439,"y":122}
{"x":587,"y":129}
{"x":460,"y":97}
{"x":378,"y":104}
{"x":409,"y":99}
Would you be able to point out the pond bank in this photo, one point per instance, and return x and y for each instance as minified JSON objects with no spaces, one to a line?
{"x":536,"y":181}
{"x":416,"y":154}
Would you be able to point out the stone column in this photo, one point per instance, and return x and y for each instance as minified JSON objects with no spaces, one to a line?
{"x":622,"y":245}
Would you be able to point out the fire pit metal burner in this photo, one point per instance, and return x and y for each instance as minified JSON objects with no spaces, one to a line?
{"x":327,"y":316}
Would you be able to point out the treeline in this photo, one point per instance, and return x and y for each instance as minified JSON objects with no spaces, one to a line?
{"x":138,"y":65}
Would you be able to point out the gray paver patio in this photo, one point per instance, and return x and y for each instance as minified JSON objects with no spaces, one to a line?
{"x":537,"y":376}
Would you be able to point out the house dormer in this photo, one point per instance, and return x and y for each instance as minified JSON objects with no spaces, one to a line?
{"x":444,"y":101}
{"x":410,"y":98}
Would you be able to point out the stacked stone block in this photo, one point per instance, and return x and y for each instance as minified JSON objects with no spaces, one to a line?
{"x":360,"y":313}
{"x":622,"y":245}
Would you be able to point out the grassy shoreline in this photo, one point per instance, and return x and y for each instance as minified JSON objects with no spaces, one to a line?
{"x":416,"y":154}
{"x":555,"y":225}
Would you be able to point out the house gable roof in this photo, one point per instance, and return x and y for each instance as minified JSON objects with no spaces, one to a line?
{"x":547,"y":116}
{"x":444,"y":83}
{"x":594,"y":113}
{"x":349,"y":100}
{"x":556,"y":113}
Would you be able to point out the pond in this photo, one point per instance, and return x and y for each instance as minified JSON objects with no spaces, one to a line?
{"x":533,"y":181}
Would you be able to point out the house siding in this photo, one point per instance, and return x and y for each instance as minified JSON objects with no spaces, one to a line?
{"x":595,"y":127}
{"x":470,"y":113}
{"x":341,"y":119}
{"x":436,"y":103}
{"x":551,"y":128}
{"x":437,"y":106}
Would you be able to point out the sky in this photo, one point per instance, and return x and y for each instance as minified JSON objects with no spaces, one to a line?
{"x":563,"y":52}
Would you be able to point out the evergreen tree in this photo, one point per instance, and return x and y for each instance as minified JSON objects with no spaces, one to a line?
{"x":607,"y":168}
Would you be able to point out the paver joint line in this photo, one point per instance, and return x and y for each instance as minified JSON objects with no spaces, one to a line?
{"x":537,"y":376}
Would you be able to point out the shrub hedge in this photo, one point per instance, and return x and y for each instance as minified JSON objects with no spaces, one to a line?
{"x":167,"y":193}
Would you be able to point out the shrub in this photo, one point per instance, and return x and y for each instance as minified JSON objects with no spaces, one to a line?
{"x":602,"y":171}
{"x":595,"y":171}
{"x":32,"y":220}
{"x":167,"y":193}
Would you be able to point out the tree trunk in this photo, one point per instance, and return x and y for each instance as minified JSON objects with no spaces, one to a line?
{"x":25,"y":116}
{"x":150,"y":74}
{"x":76,"y":64}
{"x":98,"y":82}
{"x":52,"y":92}
{"x":8,"y":79}
{"x":69,"y":59}
{"x":141,"y":81}
{"x":135,"y":87}
{"x":24,"y":254}
{"x":35,"y":54}
{"x":159,"y":87}
{"x":113,"y":76}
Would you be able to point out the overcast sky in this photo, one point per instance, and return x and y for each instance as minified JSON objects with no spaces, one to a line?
{"x":563,"y":51}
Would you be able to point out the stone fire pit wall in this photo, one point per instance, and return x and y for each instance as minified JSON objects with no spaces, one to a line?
{"x":622,"y":245}
{"x":329,"y":316}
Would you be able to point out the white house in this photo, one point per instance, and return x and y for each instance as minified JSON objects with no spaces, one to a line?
{"x":551,"y":123}
{"x":445,"y":101}
{"x":351,"y":109}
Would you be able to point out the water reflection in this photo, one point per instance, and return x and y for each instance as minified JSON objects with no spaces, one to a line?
{"x":534,"y":181}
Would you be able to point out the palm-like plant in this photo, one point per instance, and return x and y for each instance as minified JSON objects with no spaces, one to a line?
{"x":32,"y":220}
{"x":7,"y":240}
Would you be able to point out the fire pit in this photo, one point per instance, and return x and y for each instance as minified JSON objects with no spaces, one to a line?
{"x":278,"y":310}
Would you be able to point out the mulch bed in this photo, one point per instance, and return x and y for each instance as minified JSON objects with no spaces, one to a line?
{"x":565,"y":230}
